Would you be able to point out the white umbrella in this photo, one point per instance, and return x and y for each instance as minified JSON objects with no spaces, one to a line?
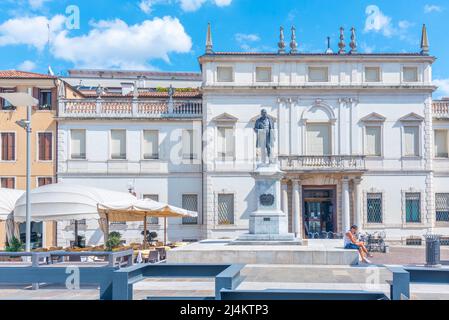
{"x":62,"y":201}
{"x":8,"y":200}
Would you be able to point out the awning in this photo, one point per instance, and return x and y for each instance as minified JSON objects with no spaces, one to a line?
{"x":19,"y":99}
{"x":8,"y":200}
{"x":137,"y":210}
{"x":62,"y":201}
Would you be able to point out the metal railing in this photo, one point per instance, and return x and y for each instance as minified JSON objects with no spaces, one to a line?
{"x":129,"y":108}
{"x":440,"y":109}
{"x":330,"y":163}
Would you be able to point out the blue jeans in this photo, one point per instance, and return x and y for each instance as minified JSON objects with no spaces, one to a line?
{"x":351,"y":246}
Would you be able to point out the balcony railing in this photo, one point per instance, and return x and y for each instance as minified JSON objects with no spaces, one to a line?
{"x":441,"y":109}
{"x":322,"y":163}
{"x":129,"y":108}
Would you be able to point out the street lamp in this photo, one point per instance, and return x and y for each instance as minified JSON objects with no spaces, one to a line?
{"x":25,"y":99}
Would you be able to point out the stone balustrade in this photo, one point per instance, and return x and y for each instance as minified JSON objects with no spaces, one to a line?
{"x":129,"y":108}
{"x":441,"y":109}
{"x":330,"y":163}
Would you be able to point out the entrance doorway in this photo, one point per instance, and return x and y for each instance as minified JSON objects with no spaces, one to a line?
{"x":319,"y":209}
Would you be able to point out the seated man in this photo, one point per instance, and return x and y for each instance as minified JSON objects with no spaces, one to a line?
{"x":352,"y":243}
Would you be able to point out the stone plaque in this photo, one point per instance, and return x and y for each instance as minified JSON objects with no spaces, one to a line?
{"x":267,"y":200}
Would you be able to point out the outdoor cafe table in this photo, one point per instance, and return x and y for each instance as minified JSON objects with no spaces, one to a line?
{"x":112,"y":257}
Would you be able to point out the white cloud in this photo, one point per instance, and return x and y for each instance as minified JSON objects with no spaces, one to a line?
{"x":223,"y":3}
{"x":429,"y":8}
{"x":115,"y":44}
{"x":242,"y":37}
{"x":186,"y":5}
{"x":366,"y":48}
{"x":443,"y":90}
{"x":37,"y":4}
{"x":31,"y":31}
{"x":377,"y":21}
{"x":27,"y":65}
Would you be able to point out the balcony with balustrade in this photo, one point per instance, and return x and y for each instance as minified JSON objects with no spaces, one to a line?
{"x":441,"y":109}
{"x":333,"y":164}
{"x":105,"y":108}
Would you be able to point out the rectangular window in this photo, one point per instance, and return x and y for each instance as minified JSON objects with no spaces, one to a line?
{"x":225,"y":209}
{"x":150,"y":144}
{"x":188,"y":145}
{"x":318,"y":74}
{"x":441,"y":144}
{"x":190,"y":202}
{"x":8,"y":182}
{"x":263,"y":74}
{"x":374,"y":208}
{"x":118,"y":144}
{"x":45,"y":99}
{"x":225,"y":74}
{"x":45,"y":146}
{"x":373,"y":141}
{"x":78,"y":144}
{"x":43,"y":181}
{"x":411,"y":140}
{"x":5,"y":104}
{"x":410,"y":74}
{"x":442,"y":207}
{"x":413,"y":207}
{"x":226,"y":143}
{"x":154,"y":197}
{"x":8,"y":146}
{"x":372,"y":74}
{"x":318,"y":140}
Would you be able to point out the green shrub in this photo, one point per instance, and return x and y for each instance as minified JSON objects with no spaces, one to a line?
{"x":114,"y":241}
{"x":15,"y":245}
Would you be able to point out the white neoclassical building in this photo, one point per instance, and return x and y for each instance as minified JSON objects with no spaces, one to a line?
{"x":358,"y":136}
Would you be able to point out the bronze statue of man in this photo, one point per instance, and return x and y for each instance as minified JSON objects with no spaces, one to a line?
{"x":266,"y":124}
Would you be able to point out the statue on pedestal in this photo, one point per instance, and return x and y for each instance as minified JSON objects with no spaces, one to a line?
{"x":264,"y":129}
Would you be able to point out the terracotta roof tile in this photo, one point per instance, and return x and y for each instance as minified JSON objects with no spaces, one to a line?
{"x":14,"y":74}
{"x":179,"y":94}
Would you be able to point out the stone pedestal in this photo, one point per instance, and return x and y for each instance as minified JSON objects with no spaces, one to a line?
{"x":268,"y":224}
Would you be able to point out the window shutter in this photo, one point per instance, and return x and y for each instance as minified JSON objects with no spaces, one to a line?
{"x":318,"y":140}
{"x":36,"y":95}
{"x":78,"y":144}
{"x":441,"y":144}
{"x":373,"y":144}
{"x":151,"y":144}
{"x":54,"y":99}
{"x":118,"y":144}
{"x":411,"y":141}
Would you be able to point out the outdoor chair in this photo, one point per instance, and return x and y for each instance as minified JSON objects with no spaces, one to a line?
{"x":153,"y":256}
{"x":162,"y":253}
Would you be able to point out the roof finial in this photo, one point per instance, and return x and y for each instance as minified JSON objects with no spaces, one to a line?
{"x":329,"y":49}
{"x":293,"y":43}
{"x":281,"y":43}
{"x":342,"y":44}
{"x":353,"y":43}
{"x":424,"y":41}
{"x":209,"y":44}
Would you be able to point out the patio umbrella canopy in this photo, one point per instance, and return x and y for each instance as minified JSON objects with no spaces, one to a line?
{"x":61,"y":202}
{"x":137,"y":210}
{"x":8,"y":200}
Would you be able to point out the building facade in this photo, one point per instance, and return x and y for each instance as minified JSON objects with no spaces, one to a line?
{"x":358,"y":136}
{"x":43,"y":142}
{"x":133,"y":131}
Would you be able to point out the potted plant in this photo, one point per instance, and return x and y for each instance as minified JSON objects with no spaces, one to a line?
{"x":15,"y":245}
{"x":114,"y":241}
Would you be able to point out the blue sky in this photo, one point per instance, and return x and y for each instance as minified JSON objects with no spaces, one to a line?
{"x":169,"y":35}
